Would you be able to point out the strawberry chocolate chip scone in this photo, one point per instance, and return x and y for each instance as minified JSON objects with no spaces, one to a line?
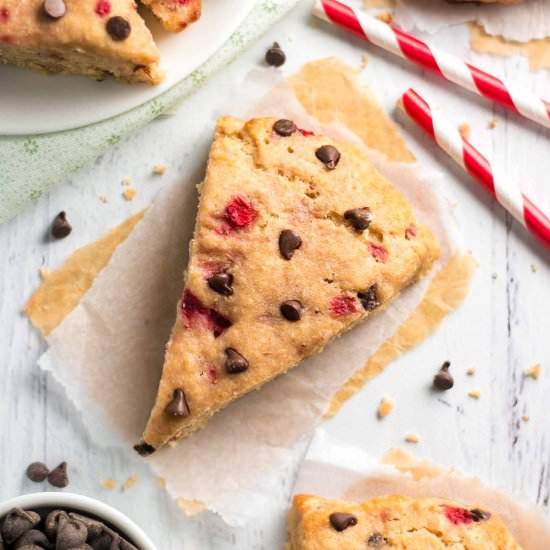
{"x":97,"y":38}
{"x":298,"y":238}
{"x":394,"y":522}
{"x":175,"y":15}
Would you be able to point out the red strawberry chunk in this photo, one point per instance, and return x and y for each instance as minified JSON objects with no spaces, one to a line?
{"x":343,"y":305}
{"x":240,"y":212}
{"x":458,"y":516}
{"x":194,"y":311}
{"x":306,"y":133}
{"x":411,"y":232}
{"x":103,"y":8}
{"x":378,"y":252}
{"x":4,"y":15}
{"x":212,"y":374}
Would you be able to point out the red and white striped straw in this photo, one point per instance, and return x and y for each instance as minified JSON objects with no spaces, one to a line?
{"x":513,"y":96}
{"x":447,"y":136}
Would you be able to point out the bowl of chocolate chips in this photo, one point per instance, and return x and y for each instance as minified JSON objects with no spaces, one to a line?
{"x":65,"y":521}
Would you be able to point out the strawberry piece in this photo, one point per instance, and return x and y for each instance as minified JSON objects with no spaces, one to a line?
{"x":378,"y":252}
{"x":343,"y":305}
{"x":103,"y":8}
{"x":411,"y":232}
{"x":239,"y":212}
{"x":193,"y":310}
{"x":457,"y":516}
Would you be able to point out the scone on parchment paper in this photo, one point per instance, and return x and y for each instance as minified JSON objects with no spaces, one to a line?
{"x":297,"y":239}
{"x":394,"y":522}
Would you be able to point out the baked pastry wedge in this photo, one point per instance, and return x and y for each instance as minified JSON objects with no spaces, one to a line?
{"x":394,"y":522}
{"x":297,"y":239}
{"x":175,"y":15}
{"x":97,"y":38}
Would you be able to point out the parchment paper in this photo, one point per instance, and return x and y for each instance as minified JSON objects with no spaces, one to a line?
{"x":108,"y":352}
{"x":335,"y":471}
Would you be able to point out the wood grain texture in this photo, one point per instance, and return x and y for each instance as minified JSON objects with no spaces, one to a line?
{"x":501,"y":329}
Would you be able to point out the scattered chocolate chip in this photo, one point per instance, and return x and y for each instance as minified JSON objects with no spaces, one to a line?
{"x":376,"y":541}
{"x":144,"y":449}
{"x":61,"y":227}
{"x":118,"y":28}
{"x":480,"y":515}
{"x":342,"y":520}
{"x":37,"y":471}
{"x":221,"y":283}
{"x":58,"y":477}
{"x":71,"y":534}
{"x":275,"y":57}
{"x":235,"y":363}
{"x":289,"y":242}
{"x":291,"y":310}
{"x":284,"y":127}
{"x":359,"y":218}
{"x":443,"y":380}
{"x":328,"y":155}
{"x":53,"y":521}
{"x":178,"y":406}
{"x":369,"y":298}
{"x":17,"y":522}
{"x":54,"y":8}
{"x":33,"y":538}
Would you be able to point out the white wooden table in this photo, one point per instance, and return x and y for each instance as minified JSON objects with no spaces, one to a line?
{"x":501,"y":329}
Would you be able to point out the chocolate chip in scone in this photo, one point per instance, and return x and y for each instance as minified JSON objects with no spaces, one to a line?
{"x":33,"y":538}
{"x":144,"y":449}
{"x":235,"y":363}
{"x":369,"y":297}
{"x":376,"y":541}
{"x":274,"y":56}
{"x":61,"y":227}
{"x":480,"y":515}
{"x":178,"y":406}
{"x":17,"y":522}
{"x":118,"y":28}
{"x":359,"y":218}
{"x":52,"y":522}
{"x":291,"y":310}
{"x":58,"y":477}
{"x":221,"y":283}
{"x":54,"y":8}
{"x":329,"y":156}
{"x":443,"y":380}
{"x":289,"y":242}
{"x":71,"y":534}
{"x":342,"y":520}
{"x":284,"y":127}
{"x":37,"y":471}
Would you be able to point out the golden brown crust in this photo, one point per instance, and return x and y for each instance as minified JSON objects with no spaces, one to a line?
{"x":175,"y":15}
{"x":396,"y":523}
{"x":289,"y":188}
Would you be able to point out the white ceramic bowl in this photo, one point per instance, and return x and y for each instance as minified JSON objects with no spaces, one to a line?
{"x":86,"y":505}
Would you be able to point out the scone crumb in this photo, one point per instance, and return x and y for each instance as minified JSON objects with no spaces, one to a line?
{"x":533,"y":371}
{"x":129,"y":483}
{"x":525,"y":418}
{"x":471,"y":371}
{"x":494,"y":276}
{"x":534,"y":268}
{"x":44,"y":272}
{"x":129,"y":193}
{"x":126,"y":180}
{"x":160,"y":169}
{"x":412,"y":438}
{"x":385,"y":407}
{"x":109,"y":484}
{"x":475,"y":393}
{"x":161,"y":481}
{"x":465,"y":130}
{"x":385,"y":17}
{"x":492,"y":123}
{"x":364,"y":61}
{"x":103,"y":199}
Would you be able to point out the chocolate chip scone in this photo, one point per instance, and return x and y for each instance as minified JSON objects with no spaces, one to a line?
{"x":297,"y":239}
{"x":97,"y":38}
{"x":394,"y":522}
{"x":175,"y":15}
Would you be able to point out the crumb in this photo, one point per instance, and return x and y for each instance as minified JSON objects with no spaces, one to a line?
{"x":109,"y":484}
{"x":160,"y":169}
{"x":129,"y":193}
{"x":364,"y":60}
{"x":126,"y":180}
{"x":44,"y":272}
{"x":103,"y":199}
{"x":385,"y":407}
{"x":161,"y":481}
{"x":129,"y":483}
{"x":492,"y":123}
{"x":494,"y":276}
{"x":385,"y":17}
{"x":412,"y":438}
{"x":525,"y":418}
{"x":475,"y":394}
{"x":533,"y":371}
{"x":471,"y":371}
{"x":534,"y":268}
{"x":465,"y":130}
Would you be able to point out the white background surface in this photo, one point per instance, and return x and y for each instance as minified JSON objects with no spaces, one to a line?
{"x":501,"y":329}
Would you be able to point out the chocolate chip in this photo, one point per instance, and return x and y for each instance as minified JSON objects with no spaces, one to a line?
{"x":144,"y":449}
{"x":58,"y":476}
{"x":95,"y":527}
{"x":37,"y":471}
{"x":369,"y":298}
{"x":291,"y":310}
{"x":443,"y":380}
{"x":284,"y":127}
{"x":61,"y":227}
{"x":376,"y":541}
{"x":17,"y":522}
{"x":480,"y":515}
{"x":359,"y":218}
{"x":118,"y":28}
{"x":221,"y":283}
{"x":178,"y":406}
{"x":342,"y":520}
{"x":34,"y":537}
{"x":53,"y":520}
{"x":54,"y":8}
{"x":71,"y":534}
{"x":289,"y":242}
{"x":328,"y":155}
{"x":235,"y":363}
{"x":275,"y":57}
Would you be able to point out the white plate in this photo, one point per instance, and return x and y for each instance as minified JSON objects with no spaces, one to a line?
{"x":32,"y":103}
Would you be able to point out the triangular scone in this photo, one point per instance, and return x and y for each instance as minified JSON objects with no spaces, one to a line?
{"x":297,"y":239}
{"x":175,"y":15}
{"x":394,"y":522}
{"x":97,"y":38}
